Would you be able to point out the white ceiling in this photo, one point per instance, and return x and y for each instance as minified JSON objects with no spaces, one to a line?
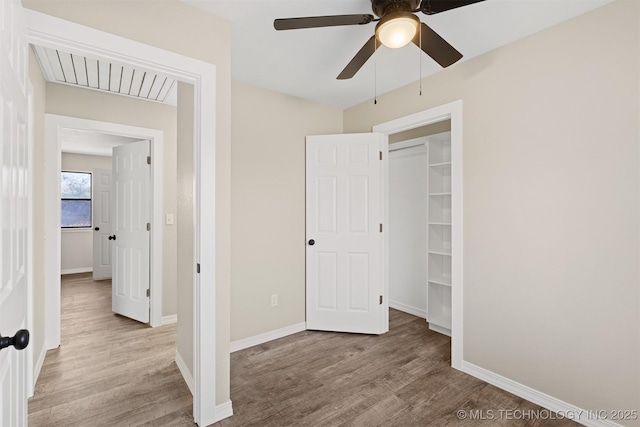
{"x":305,"y":63}
{"x":91,"y":73}
{"x":91,"y":143}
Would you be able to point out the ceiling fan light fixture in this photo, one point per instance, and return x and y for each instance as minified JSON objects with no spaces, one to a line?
{"x":397,"y":30}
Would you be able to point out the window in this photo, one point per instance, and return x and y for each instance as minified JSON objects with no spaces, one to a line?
{"x":75,"y":194}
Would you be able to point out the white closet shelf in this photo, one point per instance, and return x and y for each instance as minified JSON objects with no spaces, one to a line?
{"x":440,"y":223}
{"x":441,"y":252}
{"x":439,"y":194}
{"x":444,"y":320}
{"x":442,"y":281}
{"x":439,"y":165}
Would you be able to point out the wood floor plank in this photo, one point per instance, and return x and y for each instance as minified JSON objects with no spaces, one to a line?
{"x":113,"y":371}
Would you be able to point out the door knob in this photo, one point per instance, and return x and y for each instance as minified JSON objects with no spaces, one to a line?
{"x":112,"y":237}
{"x":312,"y":242}
{"x":97,"y":228}
{"x":20,"y":340}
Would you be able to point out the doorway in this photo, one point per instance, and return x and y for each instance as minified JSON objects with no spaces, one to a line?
{"x":395,"y":128}
{"x":52,"y":32}
{"x":56,"y":126}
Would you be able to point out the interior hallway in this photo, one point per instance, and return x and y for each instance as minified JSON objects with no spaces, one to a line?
{"x":109,"y":370}
{"x":113,"y":371}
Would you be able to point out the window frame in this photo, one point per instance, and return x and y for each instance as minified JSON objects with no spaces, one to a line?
{"x":90,"y":200}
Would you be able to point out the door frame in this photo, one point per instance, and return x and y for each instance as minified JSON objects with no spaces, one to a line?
{"x":48,"y":31}
{"x":54,"y":124}
{"x":451,"y":111}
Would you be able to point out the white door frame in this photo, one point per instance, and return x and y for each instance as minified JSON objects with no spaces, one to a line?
{"x":48,"y":31}
{"x":451,"y":111}
{"x":54,"y":124}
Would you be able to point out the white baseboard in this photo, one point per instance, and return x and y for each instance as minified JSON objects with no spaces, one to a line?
{"x":267,"y":336}
{"x":224,"y":410}
{"x":169,"y":320}
{"x":440,"y":329}
{"x":408,"y":309}
{"x":551,"y":403}
{"x":77,"y":270}
{"x":188,"y":376}
{"x":38,"y":366}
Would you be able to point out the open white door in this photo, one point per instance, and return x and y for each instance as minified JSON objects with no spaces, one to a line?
{"x":101,"y":224}
{"x":130,"y":237}
{"x":345,"y":285}
{"x":13,"y":215}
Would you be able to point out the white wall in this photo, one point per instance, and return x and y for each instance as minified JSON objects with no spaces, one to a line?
{"x":268,"y":205}
{"x":551,"y":204}
{"x":407,"y":230}
{"x":185,"y":226}
{"x":77,"y":245}
{"x":39,"y":104}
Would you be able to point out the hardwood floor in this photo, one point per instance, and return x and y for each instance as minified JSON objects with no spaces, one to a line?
{"x":114,"y":371}
{"x":109,"y":370}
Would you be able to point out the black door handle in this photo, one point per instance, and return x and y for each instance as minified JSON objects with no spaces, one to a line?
{"x":97,"y":228}
{"x":20,"y":340}
{"x":312,"y":242}
{"x":112,"y":237}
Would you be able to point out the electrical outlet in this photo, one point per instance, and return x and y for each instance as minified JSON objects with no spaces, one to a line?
{"x":274,"y":300}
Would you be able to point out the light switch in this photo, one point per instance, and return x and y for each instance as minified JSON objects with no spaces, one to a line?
{"x":168,"y":219}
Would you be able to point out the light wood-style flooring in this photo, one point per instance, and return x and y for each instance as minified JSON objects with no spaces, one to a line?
{"x":109,"y":370}
{"x":114,"y":371}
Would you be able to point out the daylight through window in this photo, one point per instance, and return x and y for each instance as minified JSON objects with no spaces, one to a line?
{"x":75,"y":194}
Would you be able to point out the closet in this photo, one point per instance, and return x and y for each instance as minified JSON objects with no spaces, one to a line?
{"x":420,"y":229}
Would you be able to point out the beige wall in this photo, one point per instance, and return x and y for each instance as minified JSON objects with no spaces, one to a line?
{"x":101,"y":106}
{"x":179,"y":28}
{"x":39,"y":105}
{"x":185,"y":226}
{"x":77,"y":245}
{"x":551,"y":204}
{"x":268,"y":205}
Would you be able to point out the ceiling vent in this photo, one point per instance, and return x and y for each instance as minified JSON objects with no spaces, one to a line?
{"x":91,"y":73}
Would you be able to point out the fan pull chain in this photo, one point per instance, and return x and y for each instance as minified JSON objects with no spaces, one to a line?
{"x":375,"y":74}
{"x":420,"y":57}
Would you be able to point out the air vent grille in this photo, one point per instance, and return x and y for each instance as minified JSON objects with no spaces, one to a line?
{"x":77,"y":70}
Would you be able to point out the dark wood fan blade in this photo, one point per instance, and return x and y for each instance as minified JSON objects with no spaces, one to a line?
{"x":321,"y":21}
{"x":359,"y":60}
{"x":436,"y":47}
{"x":431,"y":7}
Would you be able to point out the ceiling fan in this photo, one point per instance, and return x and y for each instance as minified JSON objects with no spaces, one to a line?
{"x":397,"y":25}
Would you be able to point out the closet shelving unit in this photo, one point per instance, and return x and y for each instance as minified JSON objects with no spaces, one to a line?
{"x":439,"y":234}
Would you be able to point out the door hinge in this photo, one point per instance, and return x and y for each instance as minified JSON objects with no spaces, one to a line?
{"x":148,"y":160}
{"x":148,"y":292}
{"x":148,"y":226}
{"x":381,"y":155}
{"x":380,"y":299}
{"x":198,"y":268}
{"x":381,"y":228}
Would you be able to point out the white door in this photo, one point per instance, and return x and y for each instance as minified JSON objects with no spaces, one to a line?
{"x":130,"y":236}
{"x":13,"y":211}
{"x":101,"y":224}
{"x":345,"y":285}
